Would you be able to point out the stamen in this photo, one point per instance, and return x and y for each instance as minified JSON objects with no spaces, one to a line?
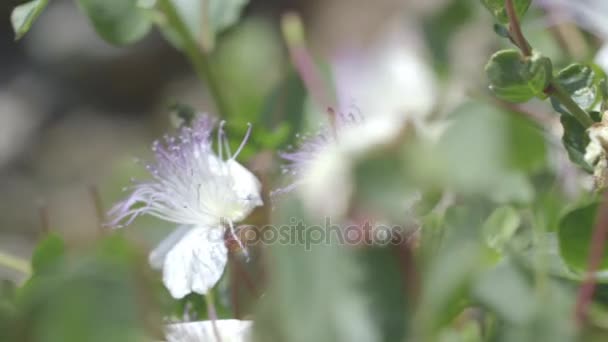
{"x":226,"y":145}
{"x":220,"y":134}
{"x":243,"y":142}
{"x":238,"y":240}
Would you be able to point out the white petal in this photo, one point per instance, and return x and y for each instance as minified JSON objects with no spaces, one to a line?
{"x":328,"y":176}
{"x":246,"y":184}
{"x":230,"y":330}
{"x":601,"y":58}
{"x":196,"y":262}
{"x":158,"y":254}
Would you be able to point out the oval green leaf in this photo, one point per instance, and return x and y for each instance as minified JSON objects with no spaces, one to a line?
{"x":24,"y":15}
{"x":498,"y":10}
{"x":575,"y":234}
{"x":516,"y":78}
{"x":119,"y":22}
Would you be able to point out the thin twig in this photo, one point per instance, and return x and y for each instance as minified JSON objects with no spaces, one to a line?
{"x":409,"y":273}
{"x":303,"y":61}
{"x":199,"y":60}
{"x":515,"y":30}
{"x":99,"y":209}
{"x":234,"y":287}
{"x":554,"y":89}
{"x":45,"y":224}
{"x":212,"y":314}
{"x":598,"y":241}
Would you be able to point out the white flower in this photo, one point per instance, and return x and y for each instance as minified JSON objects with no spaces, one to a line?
{"x":230,"y":330}
{"x":390,"y":83}
{"x":380,"y":91}
{"x":598,"y":139}
{"x":203,"y":194}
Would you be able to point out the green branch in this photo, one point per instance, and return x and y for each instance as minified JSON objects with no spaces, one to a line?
{"x":560,"y":94}
{"x":554,"y":89}
{"x":198,"y":58}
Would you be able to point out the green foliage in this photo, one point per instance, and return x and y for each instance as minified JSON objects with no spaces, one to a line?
{"x":516,"y":78}
{"x":500,"y":227}
{"x":495,"y":168}
{"x":487,"y":256}
{"x":49,"y":253}
{"x":575,"y":139}
{"x":583,"y":83}
{"x":92,"y":295}
{"x":119,"y":22}
{"x":441,"y":27}
{"x":498,"y":10}
{"x":575,"y":232}
{"x":204,"y":19}
{"x":24,"y":15}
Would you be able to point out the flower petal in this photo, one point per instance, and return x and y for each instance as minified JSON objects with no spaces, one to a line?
{"x":158,"y":254}
{"x":245,"y":184}
{"x":196,"y":262}
{"x":230,"y":330}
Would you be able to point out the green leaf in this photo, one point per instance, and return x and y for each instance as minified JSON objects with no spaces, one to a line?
{"x":48,"y":254}
{"x":583,"y":83}
{"x":119,"y":22}
{"x":506,"y":290}
{"x":575,"y":140}
{"x":527,"y":144}
{"x":101,"y":293}
{"x":205,"y":19}
{"x":498,"y":10}
{"x":516,"y":78}
{"x":24,"y":15}
{"x":575,"y":232}
{"x":500,"y":227}
{"x":501,"y":30}
{"x":442,"y":26}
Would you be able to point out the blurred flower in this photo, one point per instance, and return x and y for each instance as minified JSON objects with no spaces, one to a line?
{"x":595,"y":152}
{"x":381,"y":92}
{"x":230,"y":330}
{"x":197,"y":189}
{"x":389,"y":82}
{"x":320,"y":164}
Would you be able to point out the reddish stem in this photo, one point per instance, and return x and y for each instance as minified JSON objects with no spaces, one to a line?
{"x":598,"y":241}
{"x":515,"y":30}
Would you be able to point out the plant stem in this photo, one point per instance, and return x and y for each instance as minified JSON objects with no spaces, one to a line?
{"x":99,"y":209}
{"x":212,"y":313}
{"x":303,"y":61}
{"x":15,"y":263}
{"x":560,"y":94}
{"x":598,"y":241}
{"x":554,"y":89}
{"x":515,"y":30}
{"x":197,"y":57}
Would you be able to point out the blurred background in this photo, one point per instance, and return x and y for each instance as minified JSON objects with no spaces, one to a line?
{"x":76,"y":111}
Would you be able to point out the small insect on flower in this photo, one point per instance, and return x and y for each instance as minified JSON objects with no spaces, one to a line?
{"x":201,"y":191}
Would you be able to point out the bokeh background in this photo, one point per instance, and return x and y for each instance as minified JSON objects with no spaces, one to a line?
{"x":75,"y":111}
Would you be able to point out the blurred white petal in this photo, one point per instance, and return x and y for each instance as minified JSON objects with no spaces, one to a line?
{"x":158,"y":254}
{"x":601,"y":58}
{"x":196,"y":262}
{"x":327,"y":184}
{"x":230,"y":330}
